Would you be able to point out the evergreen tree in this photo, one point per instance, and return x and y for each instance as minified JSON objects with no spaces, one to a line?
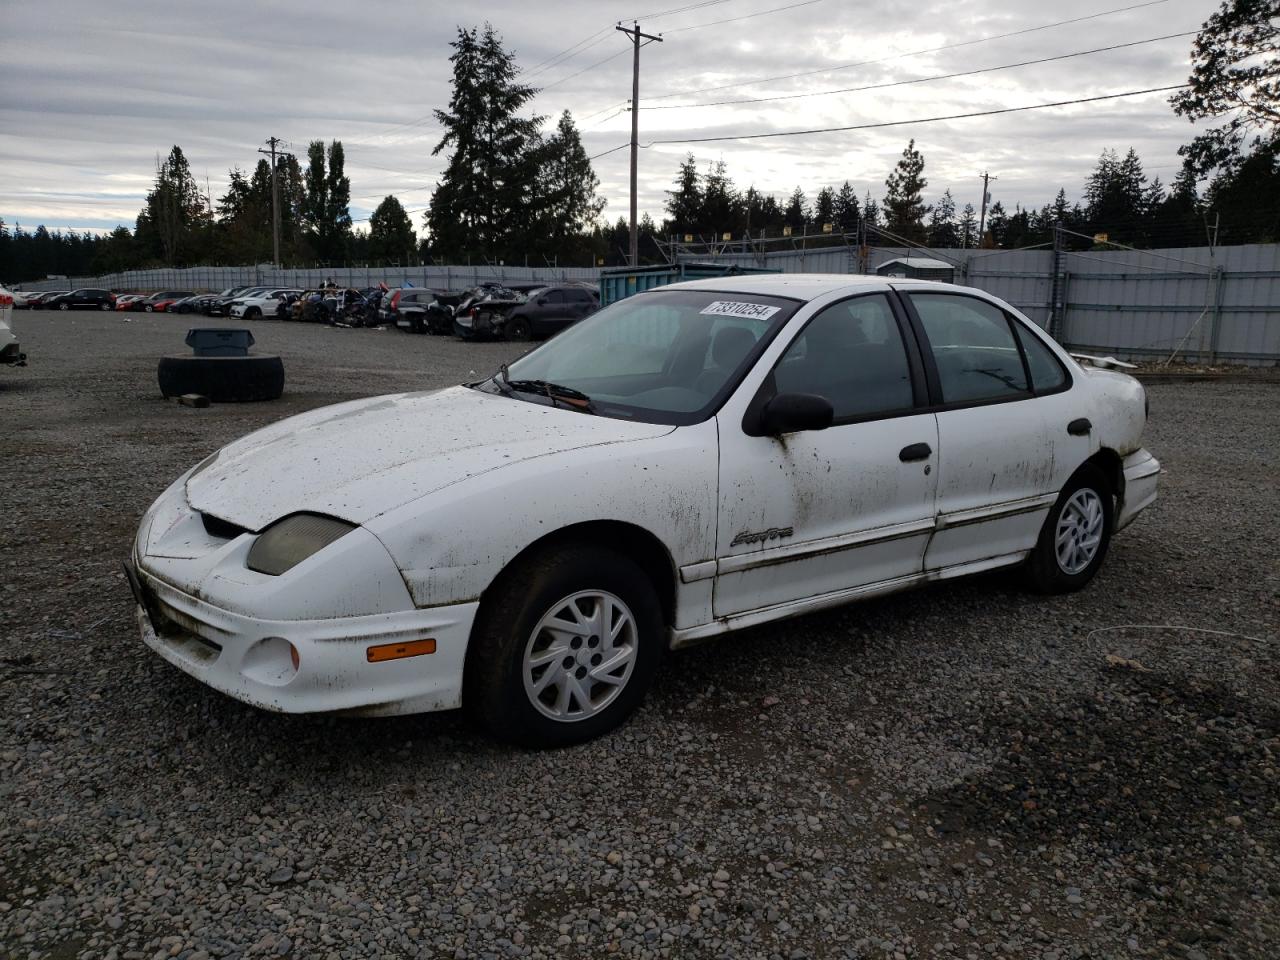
{"x":684,"y":203}
{"x":846,"y":209}
{"x":824,"y":208}
{"x":337,"y":222}
{"x":391,"y":235}
{"x":967,"y":227}
{"x":796,"y":214}
{"x":175,"y":210}
{"x":942,"y":223}
{"x":870,"y":211}
{"x":904,"y":207}
{"x":1114,"y":196}
{"x":997,"y":222}
{"x":568,"y":202}
{"x":482,"y":206}
{"x":721,"y":204}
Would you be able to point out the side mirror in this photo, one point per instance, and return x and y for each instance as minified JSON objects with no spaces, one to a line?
{"x":793,"y":412}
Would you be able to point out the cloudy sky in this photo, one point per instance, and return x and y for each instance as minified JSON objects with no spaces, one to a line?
{"x":94,"y":91}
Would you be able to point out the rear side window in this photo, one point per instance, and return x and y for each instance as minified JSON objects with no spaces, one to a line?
{"x":1047,"y":374}
{"x":973,"y":348}
{"x":553,"y":296}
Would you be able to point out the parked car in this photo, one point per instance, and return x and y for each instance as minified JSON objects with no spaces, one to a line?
{"x":191,"y":304}
{"x":678,"y":465}
{"x":22,"y":299}
{"x":256,"y":305}
{"x":126,"y":301}
{"x":549,"y":310}
{"x":421,"y":309}
{"x":164,"y":304}
{"x":157,"y":302}
{"x":10,"y":349}
{"x":38,"y":300}
{"x":483,"y":311}
{"x":86,"y":298}
{"x":218,"y":305}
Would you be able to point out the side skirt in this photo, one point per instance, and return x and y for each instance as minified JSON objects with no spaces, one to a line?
{"x":750,"y":618}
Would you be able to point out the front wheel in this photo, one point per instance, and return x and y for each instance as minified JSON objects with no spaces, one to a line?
{"x":564,"y":647}
{"x":1075,"y":536}
{"x":64,"y":306}
{"x":518,"y":329}
{"x":106,"y":306}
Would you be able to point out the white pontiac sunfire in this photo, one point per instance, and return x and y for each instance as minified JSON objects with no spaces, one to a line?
{"x":688,"y":461}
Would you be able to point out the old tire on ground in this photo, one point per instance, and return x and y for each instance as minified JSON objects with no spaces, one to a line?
{"x":1073,"y":541}
{"x":541,"y":675}
{"x":518,"y":328}
{"x":222,"y":379}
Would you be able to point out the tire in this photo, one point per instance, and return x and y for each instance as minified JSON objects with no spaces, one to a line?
{"x":1083,"y":517}
{"x":105,"y":305}
{"x":222,"y":379}
{"x":510,"y":629}
{"x":518,"y":328}
{"x":149,"y":308}
{"x":253,"y":313}
{"x":415,"y":324}
{"x":64,"y":306}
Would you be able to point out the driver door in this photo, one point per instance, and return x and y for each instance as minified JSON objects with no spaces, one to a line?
{"x":815,"y":513}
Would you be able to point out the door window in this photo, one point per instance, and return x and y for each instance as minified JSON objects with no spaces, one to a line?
{"x":852,"y":354}
{"x":973,"y":348}
{"x":1047,"y":374}
{"x":552,"y":297}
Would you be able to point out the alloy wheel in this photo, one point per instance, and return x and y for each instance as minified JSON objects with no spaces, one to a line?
{"x":1079,"y":531}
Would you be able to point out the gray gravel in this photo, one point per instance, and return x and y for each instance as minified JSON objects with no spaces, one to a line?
{"x":963,"y":771}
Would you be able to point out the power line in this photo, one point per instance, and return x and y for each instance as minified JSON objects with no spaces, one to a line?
{"x":747,"y":16}
{"x":564,"y":56}
{"x":914,"y":53}
{"x":621,"y":146}
{"x":904,"y":123}
{"x":675,"y":10}
{"x":612,"y":56}
{"x":943,"y":76}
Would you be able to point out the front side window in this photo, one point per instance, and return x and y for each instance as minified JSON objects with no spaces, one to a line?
{"x":666,"y":356}
{"x":851,"y":353}
{"x":973,"y":348}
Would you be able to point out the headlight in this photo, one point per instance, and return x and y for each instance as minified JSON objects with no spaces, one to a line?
{"x":288,"y":542}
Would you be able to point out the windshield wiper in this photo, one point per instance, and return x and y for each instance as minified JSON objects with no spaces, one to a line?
{"x":552,"y":391}
{"x":505,"y":378}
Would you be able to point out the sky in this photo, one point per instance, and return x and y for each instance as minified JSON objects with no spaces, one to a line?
{"x":94,"y":92}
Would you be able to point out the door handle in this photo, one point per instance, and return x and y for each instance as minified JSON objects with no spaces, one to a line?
{"x":1079,"y":427}
{"x":917,"y":451}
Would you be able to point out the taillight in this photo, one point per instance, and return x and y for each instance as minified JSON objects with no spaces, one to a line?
{"x":474,"y":313}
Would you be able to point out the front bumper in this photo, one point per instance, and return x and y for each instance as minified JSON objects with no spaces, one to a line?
{"x":1141,"y":477}
{"x":249,"y":658}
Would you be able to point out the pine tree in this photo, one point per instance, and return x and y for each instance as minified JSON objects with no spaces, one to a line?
{"x":684,"y":203}
{"x":175,"y":210}
{"x":997,"y":222}
{"x":568,"y":202}
{"x":481,"y":206}
{"x":721,"y":204}
{"x":870,"y":211}
{"x":942,"y":223}
{"x":847,"y":211}
{"x":824,"y":208}
{"x":796,"y":214}
{"x":967,"y":227}
{"x":905,"y":209}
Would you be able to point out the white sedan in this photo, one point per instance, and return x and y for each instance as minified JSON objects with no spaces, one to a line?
{"x":691,"y":460}
{"x":257,"y":304}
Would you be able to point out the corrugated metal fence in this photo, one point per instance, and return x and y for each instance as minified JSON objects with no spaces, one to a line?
{"x":1138,"y":304}
{"x":1141,"y":304}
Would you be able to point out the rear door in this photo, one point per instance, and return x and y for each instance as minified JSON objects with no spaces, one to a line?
{"x":995,"y":470}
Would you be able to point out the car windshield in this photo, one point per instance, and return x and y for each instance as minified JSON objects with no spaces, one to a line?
{"x":668,"y":356}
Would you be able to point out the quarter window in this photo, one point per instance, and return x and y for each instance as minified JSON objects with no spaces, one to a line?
{"x":973,"y":348}
{"x":852,"y":354}
{"x":1047,"y":374}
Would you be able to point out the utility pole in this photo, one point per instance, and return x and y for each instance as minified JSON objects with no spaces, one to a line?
{"x":982,"y":217}
{"x":275,"y":203}
{"x":636,"y":36}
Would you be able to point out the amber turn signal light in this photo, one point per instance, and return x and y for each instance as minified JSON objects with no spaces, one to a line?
{"x":398,"y":651}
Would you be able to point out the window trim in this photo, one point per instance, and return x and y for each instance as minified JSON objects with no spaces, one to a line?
{"x":768,"y":388}
{"x":937,"y":405}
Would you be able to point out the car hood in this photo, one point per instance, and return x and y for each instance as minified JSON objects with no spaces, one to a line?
{"x":357,"y":460}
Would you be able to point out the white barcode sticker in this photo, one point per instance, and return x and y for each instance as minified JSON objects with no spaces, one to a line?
{"x":736,"y":308}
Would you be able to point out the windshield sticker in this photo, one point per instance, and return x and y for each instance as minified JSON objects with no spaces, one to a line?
{"x":735,"y":308}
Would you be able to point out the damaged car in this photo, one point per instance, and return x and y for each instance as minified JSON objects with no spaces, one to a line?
{"x":482,"y":312}
{"x":686,"y":462}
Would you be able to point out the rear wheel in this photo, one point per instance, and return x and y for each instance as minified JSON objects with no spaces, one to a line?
{"x":564,"y":647}
{"x":64,"y":305}
{"x":518,"y":328}
{"x":253,"y":313}
{"x":106,"y":305}
{"x":1075,"y":536}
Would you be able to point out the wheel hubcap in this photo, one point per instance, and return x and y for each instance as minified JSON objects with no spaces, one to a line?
{"x":580,"y":656}
{"x":1079,"y":533}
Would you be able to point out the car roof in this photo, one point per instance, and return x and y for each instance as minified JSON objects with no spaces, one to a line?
{"x":802,"y":286}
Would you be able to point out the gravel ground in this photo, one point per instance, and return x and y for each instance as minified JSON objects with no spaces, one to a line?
{"x":962,"y":771}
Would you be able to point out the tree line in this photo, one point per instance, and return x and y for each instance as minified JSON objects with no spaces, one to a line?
{"x":515,"y":192}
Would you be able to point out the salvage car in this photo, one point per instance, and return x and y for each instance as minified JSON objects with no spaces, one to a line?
{"x":482,"y":312}
{"x":256,"y":305}
{"x":549,"y":310}
{"x":688,"y":461}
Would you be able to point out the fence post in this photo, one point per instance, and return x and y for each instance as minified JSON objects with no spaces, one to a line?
{"x":1057,"y":285}
{"x":1216,"y":317}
